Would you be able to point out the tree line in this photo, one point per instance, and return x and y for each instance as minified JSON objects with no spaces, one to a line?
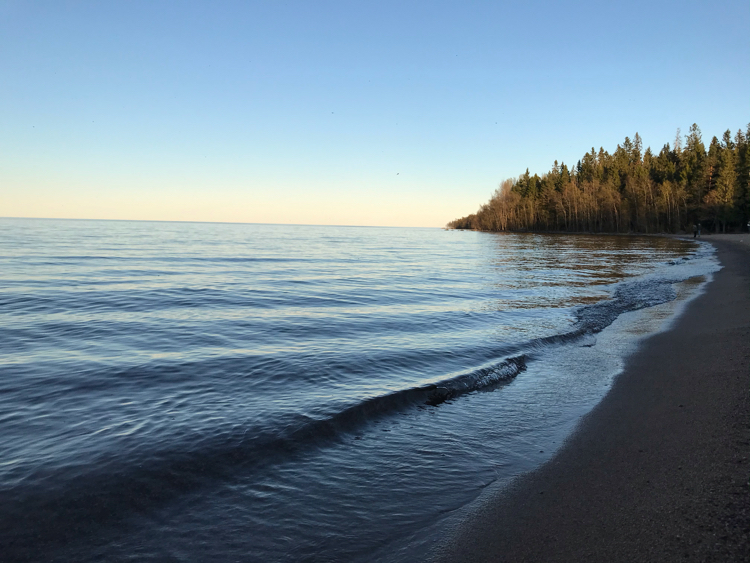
{"x":630,"y":190}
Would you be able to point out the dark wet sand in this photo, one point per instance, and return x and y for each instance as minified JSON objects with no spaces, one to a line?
{"x":658,"y":471}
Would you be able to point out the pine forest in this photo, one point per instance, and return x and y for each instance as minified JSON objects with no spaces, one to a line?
{"x":630,"y":190}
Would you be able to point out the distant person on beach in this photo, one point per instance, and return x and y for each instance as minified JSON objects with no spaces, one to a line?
{"x":695,"y":230}
{"x":699,"y":230}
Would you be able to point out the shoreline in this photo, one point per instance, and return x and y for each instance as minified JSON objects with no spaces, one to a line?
{"x":658,"y":470}
{"x":681,"y":235}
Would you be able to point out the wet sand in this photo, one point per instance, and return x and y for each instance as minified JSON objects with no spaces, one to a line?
{"x":658,"y":471}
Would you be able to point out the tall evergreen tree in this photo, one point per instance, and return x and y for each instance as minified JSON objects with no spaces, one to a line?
{"x":742,"y":167}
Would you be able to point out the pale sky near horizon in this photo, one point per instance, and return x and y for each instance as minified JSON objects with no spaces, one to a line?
{"x":349,"y":113}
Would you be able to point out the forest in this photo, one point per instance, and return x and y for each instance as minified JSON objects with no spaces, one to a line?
{"x":630,"y":190}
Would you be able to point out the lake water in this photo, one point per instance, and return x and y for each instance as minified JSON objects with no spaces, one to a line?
{"x":235,"y":392}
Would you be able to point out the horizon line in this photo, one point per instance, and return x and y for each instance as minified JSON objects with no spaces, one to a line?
{"x":218,"y":222}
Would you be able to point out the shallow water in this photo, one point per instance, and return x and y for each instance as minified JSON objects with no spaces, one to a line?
{"x":192,"y":391}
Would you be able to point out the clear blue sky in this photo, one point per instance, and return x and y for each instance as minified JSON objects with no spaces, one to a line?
{"x":342,"y":112}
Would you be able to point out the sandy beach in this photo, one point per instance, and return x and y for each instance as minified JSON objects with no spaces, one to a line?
{"x":658,"y":471}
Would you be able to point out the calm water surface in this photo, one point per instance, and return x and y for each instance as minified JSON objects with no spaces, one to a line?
{"x":194,"y":392}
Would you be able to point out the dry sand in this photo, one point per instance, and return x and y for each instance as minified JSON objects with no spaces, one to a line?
{"x":658,"y":471}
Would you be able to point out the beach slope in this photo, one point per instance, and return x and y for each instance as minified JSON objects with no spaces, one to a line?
{"x":658,"y":471}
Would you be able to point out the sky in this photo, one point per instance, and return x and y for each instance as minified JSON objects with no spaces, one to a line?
{"x":342,"y":112}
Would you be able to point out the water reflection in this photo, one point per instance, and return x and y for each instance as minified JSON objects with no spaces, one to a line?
{"x":541,"y":271}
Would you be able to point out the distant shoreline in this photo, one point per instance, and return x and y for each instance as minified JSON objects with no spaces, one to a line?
{"x":680,"y":235}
